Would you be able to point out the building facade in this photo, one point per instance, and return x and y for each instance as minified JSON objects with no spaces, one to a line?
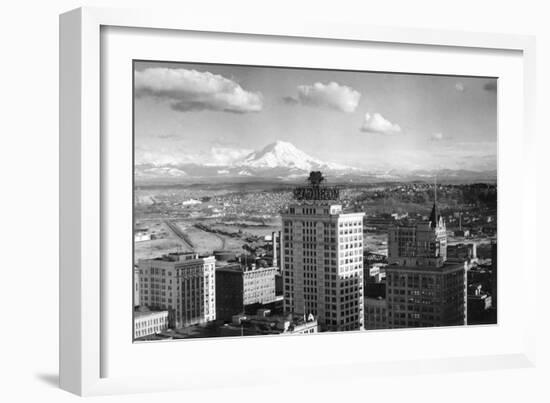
{"x":462,"y":252}
{"x":422,"y":288}
{"x":259,"y":284}
{"x":410,"y":243}
{"x":181,"y":282}
{"x":376,"y":313}
{"x":229,"y":291}
{"x":376,"y":305}
{"x":323,"y":259}
{"x":426,"y":295}
{"x":238,"y":286}
{"x":479,"y":302}
{"x":150,"y":322}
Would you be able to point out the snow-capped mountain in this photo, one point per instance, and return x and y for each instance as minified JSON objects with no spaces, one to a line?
{"x":282,"y":154}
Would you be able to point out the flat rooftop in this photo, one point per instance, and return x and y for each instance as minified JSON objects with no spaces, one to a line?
{"x":179,"y":257}
{"x":238,"y":268}
{"x":139,"y":314}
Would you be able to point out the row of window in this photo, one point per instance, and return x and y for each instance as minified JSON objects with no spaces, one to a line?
{"x":143,"y":323}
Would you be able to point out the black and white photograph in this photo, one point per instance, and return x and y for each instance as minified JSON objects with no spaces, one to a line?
{"x":296,"y":201}
{"x":291,"y":201}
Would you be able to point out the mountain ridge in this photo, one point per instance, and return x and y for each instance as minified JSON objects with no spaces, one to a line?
{"x":282,"y":160}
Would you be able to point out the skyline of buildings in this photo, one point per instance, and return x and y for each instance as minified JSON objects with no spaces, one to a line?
{"x":423,"y":289}
{"x":317,"y":269}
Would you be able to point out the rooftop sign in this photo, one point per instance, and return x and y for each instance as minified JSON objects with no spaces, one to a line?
{"x":315,"y":191}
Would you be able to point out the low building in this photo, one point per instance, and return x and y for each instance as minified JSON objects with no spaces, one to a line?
{"x":376,"y":313}
{"x":263,"y":323}
{"x":375,"y":273}
{"x":479,"y":302}
{"x":147,"y":323}
{"x":276,"y":307}
{"x":462,"y":233}
{"x":238,"y":286}
{"x":461,"y":252}
{"x":180,"y":282}
{"x":376,"y":306}
{"x":141,"y":235}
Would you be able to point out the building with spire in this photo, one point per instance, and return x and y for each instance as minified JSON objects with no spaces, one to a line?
{"x":422,"y":288}
{"x":322,"y":252}
{"x":413,"y":243}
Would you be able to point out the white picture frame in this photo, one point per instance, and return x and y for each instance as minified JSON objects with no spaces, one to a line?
{"x":82,"y":194}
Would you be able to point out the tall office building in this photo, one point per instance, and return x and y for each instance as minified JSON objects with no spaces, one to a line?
{"x":323,"y":258}
{"x":183,"y":283}
{"x":423,"y":289}
{"x":426,"y":295}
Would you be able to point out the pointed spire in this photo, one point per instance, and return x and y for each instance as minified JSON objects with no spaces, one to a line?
{"x":434,"y":216}
{"x":435,"y":189}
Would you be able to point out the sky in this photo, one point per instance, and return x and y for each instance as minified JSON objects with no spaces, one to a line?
{"x":216,"y":114}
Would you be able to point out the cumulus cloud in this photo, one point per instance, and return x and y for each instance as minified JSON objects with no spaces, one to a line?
{"x":191,"y":90}
{"x":376,"y":123}
{"x":331,"y":95}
